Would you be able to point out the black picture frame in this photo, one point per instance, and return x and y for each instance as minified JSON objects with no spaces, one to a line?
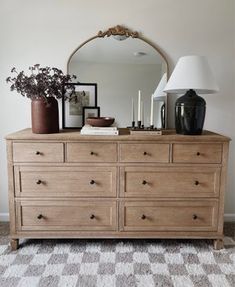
{"x":85,"y":110}
{"x":72,"y":112}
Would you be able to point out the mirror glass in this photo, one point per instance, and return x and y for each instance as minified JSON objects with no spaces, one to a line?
{"x":121,"y":68}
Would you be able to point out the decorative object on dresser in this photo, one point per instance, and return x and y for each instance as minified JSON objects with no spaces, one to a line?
{"x":192,"y":75}
{"x":43,"y":86}
{"x":70,"y":185}
{"x":84,"y":95}
{"x":91,"y":130}
{"x":141,"y":128}
{"x":100,"y":121}
{"x":159,"y":97}
{"x":90,"y":113}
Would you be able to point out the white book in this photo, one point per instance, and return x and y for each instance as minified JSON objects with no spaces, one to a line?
{"x":88,"y":127}
{"x":100,"y":132}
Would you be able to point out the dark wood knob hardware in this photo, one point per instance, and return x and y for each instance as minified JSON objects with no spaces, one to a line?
{"x":144,"y":182}
{"x":195,"y":216}
{"x":143,"y":217}
{"x":92,"y":182}
{"x":145,"y":153}
{"x":198,"y":153}
{"x":37,"y":153}
{"x":39,"y":181}
{"x":196,"y":182}
{"x":91,"y":153}
{"x":40,"y":216}
{"x":92,"y":216}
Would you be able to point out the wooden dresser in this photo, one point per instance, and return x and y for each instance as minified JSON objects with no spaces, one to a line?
{"x":68,"y":185}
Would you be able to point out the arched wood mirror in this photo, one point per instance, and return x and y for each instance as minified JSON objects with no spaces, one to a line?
{"x":122,"y":62}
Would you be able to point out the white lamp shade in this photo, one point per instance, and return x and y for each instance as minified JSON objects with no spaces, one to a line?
{"x":159,"y":94}
{"x":192,"y":72}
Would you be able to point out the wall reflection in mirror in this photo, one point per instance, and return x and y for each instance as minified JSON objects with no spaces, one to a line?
{"x":121,"y":66}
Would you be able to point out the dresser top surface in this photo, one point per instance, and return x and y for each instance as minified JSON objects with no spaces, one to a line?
{"x":74,"y":135}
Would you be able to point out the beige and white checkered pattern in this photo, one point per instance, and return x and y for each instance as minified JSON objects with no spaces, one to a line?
{"x":143,"y":263}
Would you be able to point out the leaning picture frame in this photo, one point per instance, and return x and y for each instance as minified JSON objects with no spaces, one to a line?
{"x":85,"y":94}
{"x":90,"y":112}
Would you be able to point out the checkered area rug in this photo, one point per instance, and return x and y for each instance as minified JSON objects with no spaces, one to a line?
{"x":145,"y":263}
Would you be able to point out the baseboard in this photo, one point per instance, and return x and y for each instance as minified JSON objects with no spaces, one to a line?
{"x":228,"y":217}
{"x":4,"y":217}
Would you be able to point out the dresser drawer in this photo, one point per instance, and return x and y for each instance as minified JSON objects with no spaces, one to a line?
{"x":65,"y":181}
{"x":66,"y":215}
{"x":38,"y":152}
{"x":91,"y":152}
{"x":169,"y":215}
{"x":197,"y":153}
{"x":144,"y":152}
{"x":170,"y":182}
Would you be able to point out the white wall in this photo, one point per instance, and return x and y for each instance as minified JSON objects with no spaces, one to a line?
{"x":46,"y":32}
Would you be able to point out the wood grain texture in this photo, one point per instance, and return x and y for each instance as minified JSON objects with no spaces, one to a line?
{"x":14,"y":244}
{"x":38,"y":152}
{"x":170,"y":215}
{"x":67,"y":215}
{"x":11,"y":188}
{"x":65,"y":181}
{"x":218,"y":244}
{"x":182,"y":197}
{"x":144,"y":152}
{"x":197,"y":153}
{"x":91,"y":152}
{"x":170,"y":181}
{"x":74,"y":135}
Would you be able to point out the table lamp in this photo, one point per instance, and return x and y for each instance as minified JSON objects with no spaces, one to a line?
{"x":160,"y":96}
{"x":191,"y":75}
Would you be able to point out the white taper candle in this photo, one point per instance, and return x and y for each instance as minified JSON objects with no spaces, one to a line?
{"x":139,"y":106}
{"x":151,"y":111}
{"x":142,"y":112}
{"x":133,"y":111}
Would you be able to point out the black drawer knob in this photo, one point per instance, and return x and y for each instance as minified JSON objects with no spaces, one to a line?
{"x":195,"y":216}
{"x":198,"y":153}
{"x":37,"y":153}
{"x":40,"y":216}
{"x":92,"y":216}
{"x":196,"y":182}
{"x":145,"y":153}
{"x":92,"y":182}
{"x":144,"y":182}
{"x":143,"y":216}
{"x":39,"y":181}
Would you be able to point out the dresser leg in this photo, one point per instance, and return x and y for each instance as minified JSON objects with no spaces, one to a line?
{"x":218,"y":244}
{"x":14,"y":244}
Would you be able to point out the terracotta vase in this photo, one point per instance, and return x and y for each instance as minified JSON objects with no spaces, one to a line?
{"x":45,"y":116}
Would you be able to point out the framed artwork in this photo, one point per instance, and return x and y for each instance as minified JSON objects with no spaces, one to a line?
{"x":85,"y":95}
{"x":89,"y":112}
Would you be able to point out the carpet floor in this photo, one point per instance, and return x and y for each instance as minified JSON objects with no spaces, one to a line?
{"x":111,"y":263}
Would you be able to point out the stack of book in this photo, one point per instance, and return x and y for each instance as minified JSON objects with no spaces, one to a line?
{"x":89,"y":130}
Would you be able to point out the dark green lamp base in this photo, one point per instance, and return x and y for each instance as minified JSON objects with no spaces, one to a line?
{"x":190,"y":110}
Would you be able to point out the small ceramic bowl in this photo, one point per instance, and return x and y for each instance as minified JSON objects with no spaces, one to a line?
{"x":100,"y":121}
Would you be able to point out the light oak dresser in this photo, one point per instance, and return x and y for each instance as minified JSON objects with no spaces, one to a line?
{"x":68,"y":185}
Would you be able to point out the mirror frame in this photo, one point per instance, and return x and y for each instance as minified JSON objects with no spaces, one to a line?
{"x":126,"y":33}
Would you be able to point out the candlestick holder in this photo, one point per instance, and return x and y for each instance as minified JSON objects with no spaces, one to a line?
{"x":133,"y":124}
{"x":151,"y":130}
{"x":139,"y":124}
